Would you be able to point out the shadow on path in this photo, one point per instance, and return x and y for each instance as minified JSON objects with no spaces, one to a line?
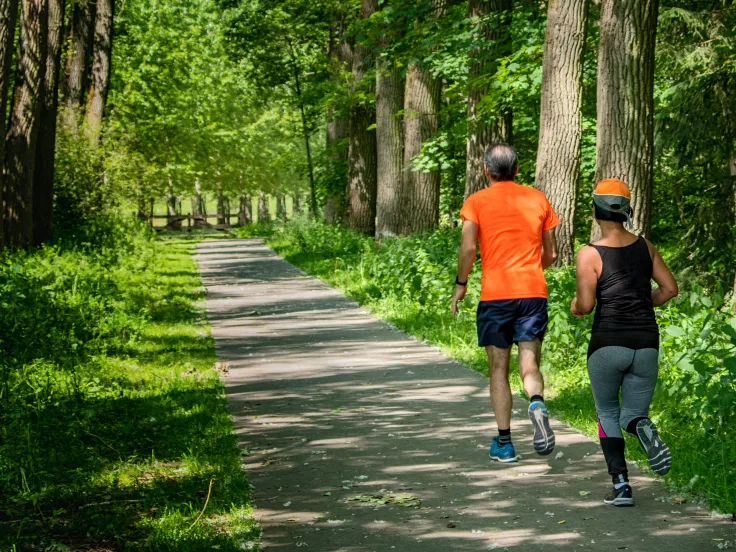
{"x":330,"y":403}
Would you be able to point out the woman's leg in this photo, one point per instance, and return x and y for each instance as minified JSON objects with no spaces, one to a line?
{"x":637,"y":391}
{"x":606,"y":367}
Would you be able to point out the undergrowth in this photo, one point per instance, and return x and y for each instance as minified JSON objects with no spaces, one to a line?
{"x":409,"y":280}
{"x":113,"y":421}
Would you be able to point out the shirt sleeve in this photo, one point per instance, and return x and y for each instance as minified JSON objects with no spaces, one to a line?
{"x":469,"y":212}
{"x":551,"y":219}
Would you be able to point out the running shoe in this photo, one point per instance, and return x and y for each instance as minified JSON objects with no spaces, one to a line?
{"x":504,"y":453}
{"x":620,"y":497}
{"x":659,"y":455}
{"x":544,"y":437}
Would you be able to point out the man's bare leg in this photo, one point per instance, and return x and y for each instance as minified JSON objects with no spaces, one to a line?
{"x":530,"y":353}
{"x":498,"y":373}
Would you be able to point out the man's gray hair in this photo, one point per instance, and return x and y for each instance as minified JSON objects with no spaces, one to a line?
{"x":501,"y":162}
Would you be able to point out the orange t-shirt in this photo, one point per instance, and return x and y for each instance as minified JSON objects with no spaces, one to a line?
{"x":510,"y":219}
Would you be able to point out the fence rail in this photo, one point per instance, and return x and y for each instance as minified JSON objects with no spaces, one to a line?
{"x":174,"y":222}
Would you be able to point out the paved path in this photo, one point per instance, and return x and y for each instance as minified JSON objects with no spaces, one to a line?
{"x":329,"y":403}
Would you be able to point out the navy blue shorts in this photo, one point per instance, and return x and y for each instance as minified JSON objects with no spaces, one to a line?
{"x":502,"y":323}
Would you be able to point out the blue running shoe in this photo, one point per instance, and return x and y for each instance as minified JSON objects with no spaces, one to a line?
{"x":544,"y":437}
{"x":504,"y":453}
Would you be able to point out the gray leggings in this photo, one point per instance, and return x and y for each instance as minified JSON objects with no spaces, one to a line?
{"x":634,"y":372}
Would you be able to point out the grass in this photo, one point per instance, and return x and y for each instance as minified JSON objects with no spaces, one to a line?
{"x":704,"y":461}
{"x":128,"y":459}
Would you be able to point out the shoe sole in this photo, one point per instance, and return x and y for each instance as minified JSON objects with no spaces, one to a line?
{"x":504,"y":460}
{"x":658,"y":453}
{"x":620,"y":502}
{"x":544,"y":437}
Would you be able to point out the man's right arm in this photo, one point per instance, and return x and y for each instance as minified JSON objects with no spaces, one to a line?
{"x":549,"y":248}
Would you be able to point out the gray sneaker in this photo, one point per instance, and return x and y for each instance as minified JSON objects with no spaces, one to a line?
{"x":544,"y":437}
{"x":659,"y":455}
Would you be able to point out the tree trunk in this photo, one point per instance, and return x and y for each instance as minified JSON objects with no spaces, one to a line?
{"x":263,"y":214}
{"x":421,"y":195}
{"x":561,"y":126}
{"x":20,"y":153}
{"x":245,"y":214}
{"x":625,"y":138}
{"x":281,"y":207}
{"x":220,"y":205}
{"x":43,"y":180}
{"x":296,"y":208}
{"x":171,"y":208}
{"x":362,"y":142}
{"x":340,"y":61}
{"x":494,"y":35}
{"x":8,"y":18}
{"x":79,"y":55}
{"x":390,"y":148}
{"x":101,"y":66}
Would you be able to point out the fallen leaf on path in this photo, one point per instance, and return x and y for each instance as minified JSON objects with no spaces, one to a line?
{"x":287,"y":504}
{"x":678,"y":500}
{"x":255,"y":313}
{"x":559,"y":455}
{"x":401,"y":499}
{"x":292,"y":519}
{"x":451,"y":525}
{"x":561,"y":522}
{"x":584,"y":493}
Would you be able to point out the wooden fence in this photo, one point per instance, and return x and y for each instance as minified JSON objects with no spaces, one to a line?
{"x":176,"y":222}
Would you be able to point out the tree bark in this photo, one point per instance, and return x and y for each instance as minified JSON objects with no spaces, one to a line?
{"x":171,"y":207}
{"x":8,"y":19}
{"x":79,"y":55}
{"x":101,"y":67}
{"x":421,"y":195}
{"x":362,"y":167}
{"x":625,"y":137}
{"x":263,"y":214}
{"x":20,"y":152}
{"x":296,"y":205}
{"x":561,"y":125}
{"x":494,"y":37}
{"x":390,"y":148}
{"x":340,"y":58}
{"x":43,"y":180}
{"x":245,"y":213}
{"x":281,"y":207}
{"x":220,"y":204}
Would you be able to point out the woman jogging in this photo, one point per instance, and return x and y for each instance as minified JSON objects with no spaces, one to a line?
{"x":616,"y":273}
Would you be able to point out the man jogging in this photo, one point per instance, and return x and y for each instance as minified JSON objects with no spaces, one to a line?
{"x":514,"y":226}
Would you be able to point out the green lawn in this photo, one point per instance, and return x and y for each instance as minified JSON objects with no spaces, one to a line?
{"x":129,"y":459}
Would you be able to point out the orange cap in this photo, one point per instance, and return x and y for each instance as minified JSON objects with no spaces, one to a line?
{"x":612,"y":186}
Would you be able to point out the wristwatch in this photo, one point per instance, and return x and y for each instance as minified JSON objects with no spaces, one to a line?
{"x":459,"y":283}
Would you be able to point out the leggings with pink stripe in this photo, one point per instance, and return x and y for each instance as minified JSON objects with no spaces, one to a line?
{"x":633,"y":373}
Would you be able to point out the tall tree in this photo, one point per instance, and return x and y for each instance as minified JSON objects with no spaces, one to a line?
{"x":101,"y":66}
{"x":8,"y":16}
{"x":20,"y":152}
{"x":340,"y":59}
{"x":560,"y":126}
{"x":625,"y":134}
{"x":492,"y":40}
{"x":420,"y":204}
{"x":80,"y":50}
{"x":390,"y":145}
{"x":43,"y":179}
{"x":362,"y":140}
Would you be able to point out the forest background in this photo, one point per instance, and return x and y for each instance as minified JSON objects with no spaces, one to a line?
{"x":371,"y":118}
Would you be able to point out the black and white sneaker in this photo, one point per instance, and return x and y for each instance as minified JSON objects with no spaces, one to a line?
{"x":620,"y":497}
{"x":659,"y":455}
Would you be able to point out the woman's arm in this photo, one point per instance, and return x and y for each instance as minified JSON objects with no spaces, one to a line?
{"x":665,"y":280}
{"x":588,"y":268}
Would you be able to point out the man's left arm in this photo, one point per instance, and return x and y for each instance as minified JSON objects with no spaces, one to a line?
{"x":549,"y":248}
{"x":465,"y":259}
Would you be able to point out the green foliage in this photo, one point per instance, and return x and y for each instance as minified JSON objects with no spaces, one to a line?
{"x":409,"y":280}
{"x":113,"y":417}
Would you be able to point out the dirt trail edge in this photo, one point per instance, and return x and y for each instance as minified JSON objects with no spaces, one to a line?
{"x":357,"y":437}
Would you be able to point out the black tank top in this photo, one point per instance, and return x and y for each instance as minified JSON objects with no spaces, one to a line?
{"x":624,"y":314}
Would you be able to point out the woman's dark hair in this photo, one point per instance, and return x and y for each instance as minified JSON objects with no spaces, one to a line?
{"x":601,"y":214}
{"x":501,"y":162}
